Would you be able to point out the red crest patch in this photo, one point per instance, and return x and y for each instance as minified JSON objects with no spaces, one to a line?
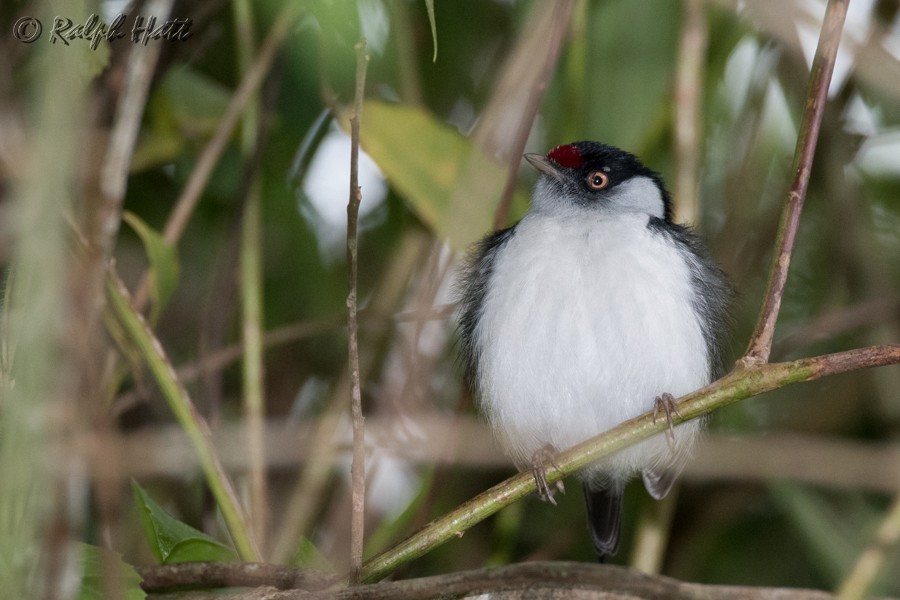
{"x":566,"y":155}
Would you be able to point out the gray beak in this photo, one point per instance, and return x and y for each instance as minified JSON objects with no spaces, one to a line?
{"x":544,"y":165}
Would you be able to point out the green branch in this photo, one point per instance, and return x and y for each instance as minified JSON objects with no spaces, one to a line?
{"x":732,"y":388}
{"x":191,"y":421}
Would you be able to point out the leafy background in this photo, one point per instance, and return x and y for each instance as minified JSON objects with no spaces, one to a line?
{"x":788,"y":489}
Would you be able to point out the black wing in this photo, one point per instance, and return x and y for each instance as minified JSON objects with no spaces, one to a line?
{"x":473,"y":288}
{"x":711,"y":302}
{"x":714,"y":293}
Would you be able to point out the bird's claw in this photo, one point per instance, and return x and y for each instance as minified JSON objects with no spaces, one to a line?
{"x":544,"y":455}
{"x":666,"y":403}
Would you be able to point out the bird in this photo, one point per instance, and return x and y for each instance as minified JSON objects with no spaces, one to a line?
{"x":592,"y":309}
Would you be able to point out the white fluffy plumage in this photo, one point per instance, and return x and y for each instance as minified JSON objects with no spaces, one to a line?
{"x":588,"y":318}
{"x":584,"y":314}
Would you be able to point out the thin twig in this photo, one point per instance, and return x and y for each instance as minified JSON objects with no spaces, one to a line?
{"x":735,"y":386}
{"x":309,"y":491}
{"x":129,"y":110}
{"x":251,"y":283}
{"x":358,"y":465}
{"x":190,"y":419}
{"x":760,"y":346}
{"x":688,"y":98}
{"x":187,"y":202}
{"x":555,"y":36}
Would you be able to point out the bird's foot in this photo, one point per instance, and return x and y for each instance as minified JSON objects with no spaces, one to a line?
{"x":541,"y":457}
{"x":666,"y":403}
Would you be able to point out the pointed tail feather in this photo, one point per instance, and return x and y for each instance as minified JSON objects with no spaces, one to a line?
{"x":604,"y":511}
{"x":659,"y":481}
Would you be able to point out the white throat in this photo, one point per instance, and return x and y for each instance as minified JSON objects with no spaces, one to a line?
{"x":638,"y":195}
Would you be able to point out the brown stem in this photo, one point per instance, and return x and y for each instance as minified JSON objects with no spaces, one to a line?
{"x":760,"y":346}
{"x":688,"y":97}
{"x":159,"y":578}
{"x":190,"y":196}
{"x":129,"y":111}
{"x":358,"y":465}
{"x":526,"y":580}
{"x":558,"y":28}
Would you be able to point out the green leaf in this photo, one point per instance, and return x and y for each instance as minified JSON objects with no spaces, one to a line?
{"x":163,"y":259}
{"x":309,"y":557}
{"x":643,"y":82}
{"x":157,"y":146}
{"x":173,"y":541}
{"x":94,"y":561}
{"x":429,"y":4}
{"x":198,"y":102}
{"x":829,"y":527}
{"x":187,"y":106}
{"x":452,"y":186}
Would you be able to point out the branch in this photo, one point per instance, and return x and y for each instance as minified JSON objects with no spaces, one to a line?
{"x":550,"y":43}
{"x":189,"y":418}
{"x":142,"y":61}
{"x":735,"y":386}
{"x":358,"y":465}
{"x":193,"y":575}
{"x":251,"y":289}
{"x":195,"y":185}
{"x":551,"y":580}
{"x":760,"y":346}
{"x":688,"y":98}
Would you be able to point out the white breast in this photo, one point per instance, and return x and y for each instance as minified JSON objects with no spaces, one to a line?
{"x":586,"y":322}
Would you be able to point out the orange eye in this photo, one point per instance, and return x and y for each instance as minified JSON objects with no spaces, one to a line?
{"x":597,"y":180}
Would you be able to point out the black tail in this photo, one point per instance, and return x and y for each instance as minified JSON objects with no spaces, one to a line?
{"x":604,"y":511}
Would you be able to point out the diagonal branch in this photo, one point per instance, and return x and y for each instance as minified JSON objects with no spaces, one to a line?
{"x":732,"y":388}
{"x":193,"y":189}
{"x":189,"y":418}
{"x":760,"y":346}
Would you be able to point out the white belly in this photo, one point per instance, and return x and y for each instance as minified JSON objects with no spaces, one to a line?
{"x":587,"y":322}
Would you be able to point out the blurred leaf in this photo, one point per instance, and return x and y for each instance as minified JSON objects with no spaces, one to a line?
{"x":173,"y":541}
{"x":187,"y":105}
{"x":429,"y":4}
{"x":450,"y":183}
{"x":156,"y":147}
{"x":197,"y":101}
{"x":831,"y":530}
{"x":309,"y":557}
{"x":163,"y":264}
{"x":93,"y":560}
{"x":390,"y":530}
{"x":630,"y":69}
{"x":95,"y":60}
